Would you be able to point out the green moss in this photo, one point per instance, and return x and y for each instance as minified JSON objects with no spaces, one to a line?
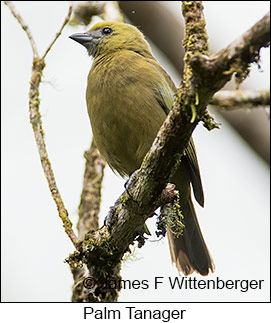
{"x":123,"y":200}
{"x":209,"y":121}
{"x":74,"y":260}
{"x":171,"y":217}
{"x":66,"y":221}
{"x":161,"y":145}
{"x":196,"y":37}
{"x":194,"y":113}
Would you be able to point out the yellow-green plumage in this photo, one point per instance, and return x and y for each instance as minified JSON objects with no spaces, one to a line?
{"x":128,"y":96}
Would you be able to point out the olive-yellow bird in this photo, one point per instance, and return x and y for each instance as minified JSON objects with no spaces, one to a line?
{"x":128,"y":97}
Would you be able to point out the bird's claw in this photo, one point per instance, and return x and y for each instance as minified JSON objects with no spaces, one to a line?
{"x":110,"y":217}
{"x":129,"y":182}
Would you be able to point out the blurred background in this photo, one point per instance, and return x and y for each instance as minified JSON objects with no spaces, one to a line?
{"x":234,"y":160}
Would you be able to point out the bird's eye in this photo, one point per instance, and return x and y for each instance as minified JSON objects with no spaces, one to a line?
{"x":107,"y":31}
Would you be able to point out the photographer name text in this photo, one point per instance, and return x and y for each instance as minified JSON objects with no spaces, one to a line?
{"x":181,"y":283}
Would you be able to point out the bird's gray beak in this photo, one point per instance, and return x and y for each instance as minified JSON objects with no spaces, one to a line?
{"x":82,"y":38}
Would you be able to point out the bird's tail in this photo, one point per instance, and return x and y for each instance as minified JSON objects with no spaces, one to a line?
{"x":189,"y":251}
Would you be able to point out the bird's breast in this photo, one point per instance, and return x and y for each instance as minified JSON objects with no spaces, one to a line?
{"x":124,"y":114}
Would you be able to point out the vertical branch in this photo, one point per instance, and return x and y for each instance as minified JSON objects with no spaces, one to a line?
{"x":91,"y":194}
{"x":195,"y":41}
{"x":35,"y":120}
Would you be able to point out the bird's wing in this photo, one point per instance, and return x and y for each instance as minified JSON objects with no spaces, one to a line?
{"x":165,"y":97}
{"x":190,"y":153}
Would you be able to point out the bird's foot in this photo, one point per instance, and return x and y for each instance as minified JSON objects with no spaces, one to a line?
{"x":110,"y":218}
{"x":130,"y":181}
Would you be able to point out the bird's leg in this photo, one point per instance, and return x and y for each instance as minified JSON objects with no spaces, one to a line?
{"x":161,"y":223}
{"x":110,"y":217}
{"x":129,"y":182}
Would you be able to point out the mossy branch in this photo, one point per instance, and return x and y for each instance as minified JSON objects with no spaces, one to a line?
{"x":235,"y":59}
{"x":103,"y":249}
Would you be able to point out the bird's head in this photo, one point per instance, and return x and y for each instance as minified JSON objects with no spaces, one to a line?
{"x":107,"y":37}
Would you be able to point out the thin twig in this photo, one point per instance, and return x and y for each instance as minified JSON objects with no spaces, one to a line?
{"x":38,"y":66}
{"x":231,"y":100}
{"x":59,"y":33}
{"x":111,"y":11}
{"x":83,"y":11}
{"x":24,"y":27}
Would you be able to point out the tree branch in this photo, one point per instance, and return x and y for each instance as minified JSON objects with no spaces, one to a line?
{"x":84,"y":11}
{"x":161,"y":11}
{"x":235,"y":59}
{"x":67,"y":19}
{"x":88,"y":213}
{"x":89,"y":207}
{"x":35,"y":120}
{"x":24,"y":27}
{"x":231,"y":100}
{"x":171,"y":139}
